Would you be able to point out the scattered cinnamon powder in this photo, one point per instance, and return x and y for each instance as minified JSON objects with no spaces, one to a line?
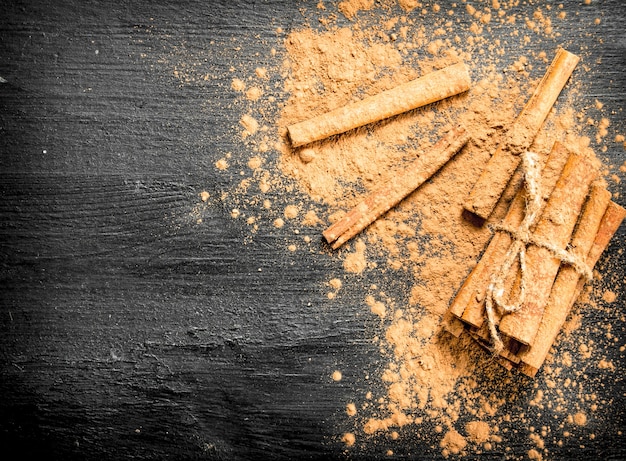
{"x":452,"y":443}
{"x":221,"y":164}
{"x":307,"y":155}
{"x":255,"y":162}
{"x":609,"y":296}
{"x":348,"y":438}
{"x":580,"y":419}
{"x":311,"y":219}
{"x":602,"y":129}
{"x":351,"y":7}
{"x":238,"y":85}
{"x":356,"y":262}
{"x":376,"y":307}
{"x":335,"y":284}
{"x":441,"y":390}
{"x":291,"y":211}
{"x":478,"y":431}
{"x":250,"y":125}
{"x":254,"y":93}
{"x":606,"y":365}
{"x":408,"y":5}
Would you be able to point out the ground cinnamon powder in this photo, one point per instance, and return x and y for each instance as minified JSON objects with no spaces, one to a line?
{"x":430,"y":387}
{"x":427,"y":240}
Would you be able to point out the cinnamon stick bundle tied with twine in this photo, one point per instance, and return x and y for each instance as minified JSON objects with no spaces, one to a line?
{"x":432,"y":87}
{"x":546,"y":248}
{"x":526,"y":306}
{"x":469,"y":302}
{"x":598,"y":223}
{"x":539,"y":252}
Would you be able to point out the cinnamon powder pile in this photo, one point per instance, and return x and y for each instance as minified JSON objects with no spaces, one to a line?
{"x":407,"y":266}
{"x":429,"y":378}
{"x":426,"y":241}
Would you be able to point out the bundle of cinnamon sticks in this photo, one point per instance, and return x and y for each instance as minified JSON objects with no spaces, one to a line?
{"x":516,"y":299}
{"x":576,"y":220}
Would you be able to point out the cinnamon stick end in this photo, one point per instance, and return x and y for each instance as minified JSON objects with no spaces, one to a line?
{"x":506,"y":363}
{"x":453,"y":325}
{"x":487,"y":191}
{"x":296,"y":138}
{"x":528,"y":370}
{"x":336,"y":244}
{"x":329,"y":235}
{"x":473,"y":218}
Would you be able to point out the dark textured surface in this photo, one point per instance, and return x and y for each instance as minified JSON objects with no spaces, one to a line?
{"x":125,"y":330}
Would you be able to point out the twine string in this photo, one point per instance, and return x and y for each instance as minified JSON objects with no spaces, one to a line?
{"x":522,"y":238}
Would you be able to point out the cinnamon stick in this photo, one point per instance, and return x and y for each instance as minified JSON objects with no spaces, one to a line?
{"x":505,"y":363}
{"x":427,"y":89}
{"x":469,"y":301}
{"x":389,"y":195}
{"x":555,"y":227}
{"x":509,"y":352}
{"x":453,"y":325}
{"x":591,"y":238}
{"x":564,"y":287}
{"x":494,"y":178}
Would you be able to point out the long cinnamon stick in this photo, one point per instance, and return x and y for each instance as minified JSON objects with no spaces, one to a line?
{"x":569,"y":283}
{"x":469,"y":301}
{"x":494,"y":178}
{"x":555,"y":227}
{"x":389,"y":195}
{"x":427,"y":89}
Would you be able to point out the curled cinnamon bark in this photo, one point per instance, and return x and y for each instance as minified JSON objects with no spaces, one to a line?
{"x":501,"y":166}
{"x":427,"y":89}
{"x":390,"y":194}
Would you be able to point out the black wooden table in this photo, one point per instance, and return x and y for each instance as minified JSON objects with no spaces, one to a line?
{"x":137,"y":321}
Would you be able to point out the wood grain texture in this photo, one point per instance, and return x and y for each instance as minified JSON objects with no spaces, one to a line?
{"x":127,"y":329}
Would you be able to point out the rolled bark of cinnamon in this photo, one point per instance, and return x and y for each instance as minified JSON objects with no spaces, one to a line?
{"x":427,"y":89}
{"x":555,"y":227}
{"x":390,"y":194}
{"x":469,"y":302}
{"x":591,"y":238}
{"x":501,"y":166}
{"x":509,"y":351}
{"x":452,"y":324}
